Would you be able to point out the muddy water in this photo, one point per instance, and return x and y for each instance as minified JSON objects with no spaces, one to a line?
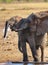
{"x":9,"y":63}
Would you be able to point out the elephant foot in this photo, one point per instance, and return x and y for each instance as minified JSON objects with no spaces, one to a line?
{"x":25,"y":60}
{"x":13,"y":62}
{"x":36,"y":60}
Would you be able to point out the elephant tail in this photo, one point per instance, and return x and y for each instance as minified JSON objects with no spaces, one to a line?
{"x":5,"y":30}
{"x":20,"y":47}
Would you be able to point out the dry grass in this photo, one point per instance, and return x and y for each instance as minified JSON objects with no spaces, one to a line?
{"x":8,"y":47}
{"x":24,"y":5}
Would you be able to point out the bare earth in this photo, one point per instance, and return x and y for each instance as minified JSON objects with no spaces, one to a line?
{"x":9,"y":46}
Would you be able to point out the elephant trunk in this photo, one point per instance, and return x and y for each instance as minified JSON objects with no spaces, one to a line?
{"x":20,"y":29}
{"x":20,"y":47}
{"x":6,"y":27}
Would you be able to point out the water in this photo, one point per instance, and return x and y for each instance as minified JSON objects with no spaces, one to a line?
{"x":9,"y":63}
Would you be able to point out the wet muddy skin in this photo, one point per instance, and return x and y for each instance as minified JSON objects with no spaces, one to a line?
{"x":9,"y":63}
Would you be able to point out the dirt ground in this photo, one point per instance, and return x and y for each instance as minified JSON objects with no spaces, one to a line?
{"x":9,"y":46}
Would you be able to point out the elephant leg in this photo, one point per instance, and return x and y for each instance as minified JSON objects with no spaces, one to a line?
{"x":43,"y":45}
{"x":34,"y":53}
{"x":42,"y":53}
{"x":20,"y":41}
{"x":32,"y":45}
{"x":20,"y":46}
{"x":25,"y":57}
{"x":37,"y":50}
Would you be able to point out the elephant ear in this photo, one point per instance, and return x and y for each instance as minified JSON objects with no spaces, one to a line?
{"x":42,"y":26}
{"x":32,"y":18}
{"x":39,"y":22}
{"x":17,"y":18}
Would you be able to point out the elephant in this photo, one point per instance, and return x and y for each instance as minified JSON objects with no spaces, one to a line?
{"x":15,"y":22}
{"x":33,"y":30}
{"x":40,"y":40}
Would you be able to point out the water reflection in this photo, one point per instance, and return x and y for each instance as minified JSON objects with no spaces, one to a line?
{"x":9,"y":63}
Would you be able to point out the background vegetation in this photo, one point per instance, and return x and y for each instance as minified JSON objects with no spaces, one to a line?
{"x":10,"y":1}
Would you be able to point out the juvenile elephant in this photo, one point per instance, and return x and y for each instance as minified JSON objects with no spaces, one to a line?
{"x":34,"y":40}
{"x":23,"y":35}
{"x":37,"y":26}
{"x":32,"y":30}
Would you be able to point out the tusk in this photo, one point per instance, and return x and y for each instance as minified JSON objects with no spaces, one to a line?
{"x":18,"y":30}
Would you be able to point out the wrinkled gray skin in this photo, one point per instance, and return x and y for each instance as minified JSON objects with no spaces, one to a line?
{"x":23,"y":35}
{"x":32,"y":30}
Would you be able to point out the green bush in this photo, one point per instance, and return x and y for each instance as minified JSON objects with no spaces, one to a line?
{"x":6,"y":1}
{"x":30,"y":0}
{"x":9,"y":1}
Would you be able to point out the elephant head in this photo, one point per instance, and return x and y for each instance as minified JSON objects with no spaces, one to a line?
{"x":21,"y":25}
{"x":24,"y":23}
{"x":36,"y":22}
{"x":10,"y":23}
